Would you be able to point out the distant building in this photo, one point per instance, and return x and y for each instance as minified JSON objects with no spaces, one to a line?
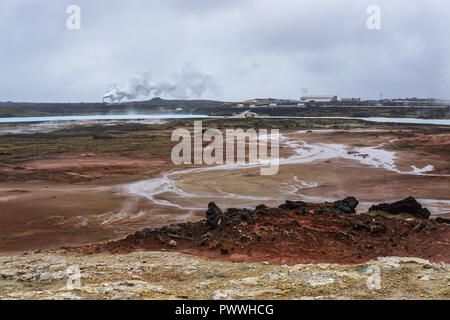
{"x":351,"y":99}
{"x":272,"y":101}
{"x":246,"y":114}
{"x":319,"y":99}
{"x":416,"y":101}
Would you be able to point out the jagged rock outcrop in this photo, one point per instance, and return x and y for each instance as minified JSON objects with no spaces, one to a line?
{"x":348,"y":205}
{"x":213,"y":215}
{"x":240,"y":214}
{"x":408,"y":205}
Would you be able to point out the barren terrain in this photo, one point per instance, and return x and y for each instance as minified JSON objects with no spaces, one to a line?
{"x":107,"y":200}
{"x":93,"y":183}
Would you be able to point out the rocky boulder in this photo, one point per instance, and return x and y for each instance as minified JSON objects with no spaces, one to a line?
{"x":442,"y":220}
{"x":408,"y":205}
{"x":213,"y":215}
{"x":262,"y":209}
{"x":239,"y":214}
{"x":291,"y":205}
{"x":348,"y":205}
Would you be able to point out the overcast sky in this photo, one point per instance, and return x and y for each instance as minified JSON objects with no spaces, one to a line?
{"x":251,"y":48}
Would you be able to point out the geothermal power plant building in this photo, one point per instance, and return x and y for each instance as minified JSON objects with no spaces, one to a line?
{"x":319,"y":98}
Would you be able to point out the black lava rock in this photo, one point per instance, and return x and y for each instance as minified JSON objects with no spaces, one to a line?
{"x":420,"y":226}
{"x":348,"y":205}
{"x":144,"y":233}
{"x":213,"y":215}
{"x":442,"y":220}
{"x":408,"y":205}
{"x":261,"y":207}
{"x":240,"y":214}
{"x":291,"y":205}
{"x":301,"y":211}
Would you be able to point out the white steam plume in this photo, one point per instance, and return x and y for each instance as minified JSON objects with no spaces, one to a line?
{"x":186,"y":84}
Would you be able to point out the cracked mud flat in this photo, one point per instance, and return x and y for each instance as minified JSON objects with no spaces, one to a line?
{"x":164,"y":275}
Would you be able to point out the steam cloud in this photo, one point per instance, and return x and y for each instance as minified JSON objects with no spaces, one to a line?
{"x":186,"y":84}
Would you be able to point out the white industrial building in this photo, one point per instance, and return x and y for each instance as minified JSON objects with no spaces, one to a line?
{"x":319,"y":98}
{"x":351,"y":99}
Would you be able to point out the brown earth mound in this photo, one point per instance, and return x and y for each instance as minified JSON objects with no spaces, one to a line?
{"x":296,"y":232}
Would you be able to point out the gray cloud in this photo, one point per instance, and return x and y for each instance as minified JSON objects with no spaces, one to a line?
{"x":249,"y":48}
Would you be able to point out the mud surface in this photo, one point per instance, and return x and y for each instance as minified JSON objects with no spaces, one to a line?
{"x":71,"y":186}
{"x":87,"y":188}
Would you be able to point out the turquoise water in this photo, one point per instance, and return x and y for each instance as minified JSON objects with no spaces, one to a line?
{"x":98,"y":117}
{"x":445,"y":122}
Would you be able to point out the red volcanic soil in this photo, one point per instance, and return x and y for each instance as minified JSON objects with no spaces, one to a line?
{"x":293,"y":234}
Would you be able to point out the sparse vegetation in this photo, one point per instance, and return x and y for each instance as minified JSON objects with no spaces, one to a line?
{"x":95,"y":138}
{"x":217,"y":108}
{"x":6,"y":112}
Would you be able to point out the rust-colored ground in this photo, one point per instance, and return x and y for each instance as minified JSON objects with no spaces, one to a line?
{"x":316,"y":233}
{"x":70,"y":199}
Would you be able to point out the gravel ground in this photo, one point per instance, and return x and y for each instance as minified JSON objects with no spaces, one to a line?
{"x":164,"y":275}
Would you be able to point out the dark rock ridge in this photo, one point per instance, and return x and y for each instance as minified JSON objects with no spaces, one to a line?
{"x":408,"y":205}
{"x":296,"y":232}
